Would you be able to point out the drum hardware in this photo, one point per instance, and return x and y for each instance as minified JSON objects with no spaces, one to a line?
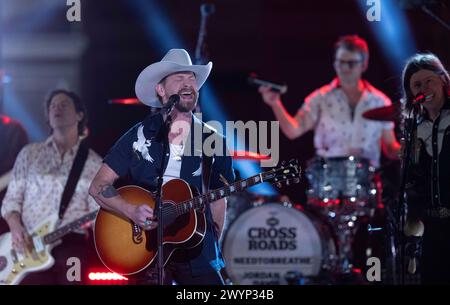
{"x":370,"y":229}
{"x":294,"y":278}
{"x":343,"y":189}
{"x":384,"y":114}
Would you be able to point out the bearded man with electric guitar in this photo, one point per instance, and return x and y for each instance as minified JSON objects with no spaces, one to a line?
{"x":47,"y":201}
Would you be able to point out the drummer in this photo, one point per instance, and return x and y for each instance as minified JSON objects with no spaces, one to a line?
{"x":335,"y":110}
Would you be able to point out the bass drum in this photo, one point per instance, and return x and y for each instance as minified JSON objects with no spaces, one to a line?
{"x":267,"y":244}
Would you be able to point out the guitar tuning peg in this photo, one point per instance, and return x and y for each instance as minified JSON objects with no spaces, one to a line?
{"x":279,"y":185}
{"x":287,"y":182}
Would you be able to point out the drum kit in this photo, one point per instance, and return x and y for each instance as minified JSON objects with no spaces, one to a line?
{"x":269,"y":240}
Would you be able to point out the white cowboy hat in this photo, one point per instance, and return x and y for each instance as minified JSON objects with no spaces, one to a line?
{"x":176,"y":60}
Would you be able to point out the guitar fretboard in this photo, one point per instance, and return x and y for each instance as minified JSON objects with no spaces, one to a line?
{"x":202,"y":200}
{"x":68,"y":228}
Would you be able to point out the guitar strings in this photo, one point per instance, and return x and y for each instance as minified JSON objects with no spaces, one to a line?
{"x":175,"y":208}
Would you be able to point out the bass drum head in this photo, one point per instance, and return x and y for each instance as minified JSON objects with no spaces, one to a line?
{"x":266,"y":243}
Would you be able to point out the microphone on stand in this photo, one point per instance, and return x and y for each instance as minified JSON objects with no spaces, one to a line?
{"x":282,"y":89}
{"x":173,"y":100}
{"x":421,"y":98}
{"x":167,"y":109}
{"x":207,"y":9}
{"x":414,"y":231}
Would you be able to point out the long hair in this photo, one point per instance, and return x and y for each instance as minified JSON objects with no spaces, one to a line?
{"x":422,"y":61}
{"x":79,"y":107}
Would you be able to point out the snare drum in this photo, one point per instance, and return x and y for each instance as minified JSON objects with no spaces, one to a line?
{"x":267,"y":243}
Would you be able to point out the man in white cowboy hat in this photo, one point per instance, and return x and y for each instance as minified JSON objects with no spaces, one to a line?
{"x":138,"y":154}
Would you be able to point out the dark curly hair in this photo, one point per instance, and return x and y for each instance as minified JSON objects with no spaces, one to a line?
{"x":79,"y":107}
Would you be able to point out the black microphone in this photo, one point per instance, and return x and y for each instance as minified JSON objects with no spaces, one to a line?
{"x":167,"y":122}
{"x":173,"y":100}
{"x":207,"y":9}
{"x":282,"y":89}
{"x":421,"y":98}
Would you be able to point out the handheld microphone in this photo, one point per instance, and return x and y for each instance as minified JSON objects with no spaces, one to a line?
{"x":421,"y":98}
{"x":282,"y":89}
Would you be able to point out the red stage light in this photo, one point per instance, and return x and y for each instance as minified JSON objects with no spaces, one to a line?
{"x":106,"y":276}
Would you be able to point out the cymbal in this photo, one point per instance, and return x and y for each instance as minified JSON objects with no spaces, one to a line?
{"x":247,"y":155}
{"x":386,"y":113}
{"x":126,"y":101}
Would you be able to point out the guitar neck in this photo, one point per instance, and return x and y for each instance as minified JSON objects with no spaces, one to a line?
{"x":201,"y":201}
{"x":70,"y":227}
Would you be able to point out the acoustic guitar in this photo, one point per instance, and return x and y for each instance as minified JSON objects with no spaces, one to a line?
{"x":126,"y":248}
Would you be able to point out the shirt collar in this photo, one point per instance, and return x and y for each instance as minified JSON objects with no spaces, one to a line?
{"x":153,"y":122}
{"x":50,"y":142}
{"x":336,"y":85}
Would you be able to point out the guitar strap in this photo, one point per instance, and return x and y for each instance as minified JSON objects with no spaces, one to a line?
{"x":206,"y":172}
{"x":206,"y":168}
{"x":74,"y":176}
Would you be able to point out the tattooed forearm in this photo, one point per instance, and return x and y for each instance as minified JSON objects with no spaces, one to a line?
{"x":108,"y":191}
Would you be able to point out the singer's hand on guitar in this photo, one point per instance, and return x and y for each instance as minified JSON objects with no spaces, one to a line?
{"x":270,"y":97}
{"x":142,"y":215}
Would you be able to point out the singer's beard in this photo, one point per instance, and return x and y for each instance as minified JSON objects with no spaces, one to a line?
{"x":189,"y":105}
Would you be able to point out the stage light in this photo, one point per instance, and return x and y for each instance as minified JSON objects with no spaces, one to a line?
{"x":105,"y":278}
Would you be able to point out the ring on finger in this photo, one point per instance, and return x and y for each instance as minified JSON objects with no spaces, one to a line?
{"x":148,"y":222}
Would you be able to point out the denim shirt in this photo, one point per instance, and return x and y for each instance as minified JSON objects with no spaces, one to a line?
{"x":138,"y":154}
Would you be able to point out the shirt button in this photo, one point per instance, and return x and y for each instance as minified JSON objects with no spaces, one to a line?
{"x":435,"y":196}
{"x":435,"y":161}
{"x":167,"y":154}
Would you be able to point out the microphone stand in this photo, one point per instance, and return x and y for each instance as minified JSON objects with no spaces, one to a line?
{"x":201,"y":52}
{"x":435,"y":17}
{"x":163,"y":136}
{"x":409,"y":130}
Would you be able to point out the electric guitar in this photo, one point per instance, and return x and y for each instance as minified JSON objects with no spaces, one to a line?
{"x":14,"y":266}
{"x":126,"y":248}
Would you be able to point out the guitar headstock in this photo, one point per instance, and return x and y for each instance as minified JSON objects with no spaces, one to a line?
{"x":286,"y":174}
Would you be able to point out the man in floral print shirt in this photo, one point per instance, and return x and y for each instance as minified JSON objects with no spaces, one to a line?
{"x":39,"y":176}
